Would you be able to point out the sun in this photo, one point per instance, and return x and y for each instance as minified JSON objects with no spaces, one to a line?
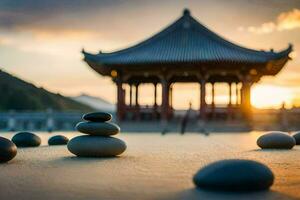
{"x":270,"y":96}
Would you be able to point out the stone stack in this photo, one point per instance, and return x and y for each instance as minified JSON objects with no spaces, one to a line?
{"x":98,"y":141}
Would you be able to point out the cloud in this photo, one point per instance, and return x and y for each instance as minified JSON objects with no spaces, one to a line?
{"x":285,"y":21}
{"x":289,"y":20}
{"x":5,"y":41}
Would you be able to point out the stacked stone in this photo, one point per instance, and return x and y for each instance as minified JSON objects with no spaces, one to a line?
{"x":99,"y":141}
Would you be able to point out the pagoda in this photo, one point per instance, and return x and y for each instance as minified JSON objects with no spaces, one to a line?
{"x":186,"y":51}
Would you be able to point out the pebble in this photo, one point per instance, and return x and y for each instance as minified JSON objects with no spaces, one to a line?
{"x":98,"y":128}
{"x":96,"y":146}
{"x":26,"y":139}
{"x":97,"y":117}
{"x":8,"y":150}
{"x":296,"y":136}
{"x":276,"y":140}
{"x":234,"y":175}
{"x":58,"y":140}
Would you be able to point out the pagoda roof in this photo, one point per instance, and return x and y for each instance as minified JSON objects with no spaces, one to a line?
{"x":186,"y":41}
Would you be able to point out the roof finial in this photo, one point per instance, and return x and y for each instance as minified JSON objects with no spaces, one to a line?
{"x":186,"y":12}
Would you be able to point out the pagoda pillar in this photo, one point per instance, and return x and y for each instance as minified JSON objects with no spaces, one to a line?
{"x":236,"y":94}
{"x":155,"y":102}
{"x":155,"y":94}
{"x":120,"y":100}
{"x":230,"y":95}
{"x":202,"y":99}
{"x":229,"y":107}
{"x":130,"y":95}
{"x":246,"y":98}
{"x":137,"y":95}
{"x":213,"y":100}
{"x":165,"y":100}
{"x":137,"y":106}
{"x":171,"y":97}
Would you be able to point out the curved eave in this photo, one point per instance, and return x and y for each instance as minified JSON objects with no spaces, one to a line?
{"x":114,"y":59}
{"x":91,"y":60}
{"x":273,"y":64}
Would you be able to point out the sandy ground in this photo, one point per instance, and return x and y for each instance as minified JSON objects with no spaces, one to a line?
{"x":153,"y":167}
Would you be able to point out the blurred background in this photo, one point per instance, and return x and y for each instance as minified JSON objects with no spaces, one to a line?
{"x":45,"y":85}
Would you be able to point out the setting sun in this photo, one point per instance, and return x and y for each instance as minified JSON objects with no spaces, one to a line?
{"x":270,"y":96}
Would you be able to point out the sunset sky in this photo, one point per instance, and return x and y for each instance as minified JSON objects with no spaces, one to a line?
{"x":41,"y":41}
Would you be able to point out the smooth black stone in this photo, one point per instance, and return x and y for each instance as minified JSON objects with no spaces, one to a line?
{"x":8,"y":150}
{"x":98,"y":128}
{"x":296,"y":136}
{"x":96,"y":146}
{"x":234,"y":175}
{"x":58,"y":140}
{"x":276,"y":140}
{"x":97,"y":117}
{"x":26,"y":139}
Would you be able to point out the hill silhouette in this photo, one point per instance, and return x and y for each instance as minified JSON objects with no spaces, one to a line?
{"x":19,"y":95}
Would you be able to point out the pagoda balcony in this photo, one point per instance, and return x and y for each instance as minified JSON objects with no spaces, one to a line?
{"x":153,"y":113}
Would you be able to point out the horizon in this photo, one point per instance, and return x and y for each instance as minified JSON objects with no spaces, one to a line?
{"x":34,"y":42}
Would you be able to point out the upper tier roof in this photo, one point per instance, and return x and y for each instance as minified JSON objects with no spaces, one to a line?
{"x":185,"y":41}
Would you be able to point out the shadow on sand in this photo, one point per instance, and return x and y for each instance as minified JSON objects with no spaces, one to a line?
{"x":193,"y":194}
{"x":71,"y":160}
{"x":84,"y":159}
{"x":273,"y":150}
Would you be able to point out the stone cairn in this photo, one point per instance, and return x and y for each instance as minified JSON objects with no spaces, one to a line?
{"x":98,"y":141}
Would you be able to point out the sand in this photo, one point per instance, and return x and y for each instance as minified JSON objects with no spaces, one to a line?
{"x":153,"y":167}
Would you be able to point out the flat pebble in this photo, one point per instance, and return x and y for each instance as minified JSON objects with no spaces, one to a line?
{"x":96,"y":146}
{"x":276,"y":140}
{"x":97,"y":117}
{"x":26,"y":139}
{"x":58,"y":140}
{"x":98,"y":128}
{"x":8,"y":150}
{"x":234,"y":175}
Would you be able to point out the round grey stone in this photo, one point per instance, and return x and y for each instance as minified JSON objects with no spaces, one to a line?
{"x":96,"y":146}
{"x":26,"y":139}
{"x":97,"y":117}
{"x":234,"y":175}
{"x":58,"y":140}
{"x":276,"y":140}
{"x":296,"y":136}
{"x":8,"y":150}
{"x":98,"y":128}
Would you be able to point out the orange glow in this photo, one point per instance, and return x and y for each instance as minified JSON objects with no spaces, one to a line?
{"x":114,"y":73}
{"x":269,"y":96}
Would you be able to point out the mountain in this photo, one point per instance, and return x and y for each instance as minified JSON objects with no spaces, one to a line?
{"x":96,"y":103}
{"x":18,"y":95}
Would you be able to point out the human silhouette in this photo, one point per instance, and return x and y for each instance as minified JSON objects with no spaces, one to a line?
{"x":185,"y":119}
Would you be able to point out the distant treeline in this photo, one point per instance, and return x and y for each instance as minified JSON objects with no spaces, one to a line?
{"x":16,"y":94}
